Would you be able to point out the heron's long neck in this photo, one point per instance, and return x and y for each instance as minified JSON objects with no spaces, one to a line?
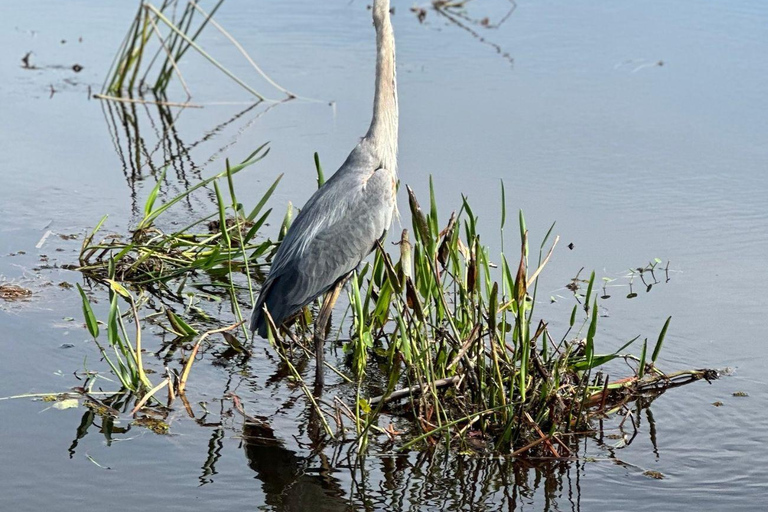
{"x":383,"y":131}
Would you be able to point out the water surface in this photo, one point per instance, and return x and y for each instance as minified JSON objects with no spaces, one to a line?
{"x":640,"y":129}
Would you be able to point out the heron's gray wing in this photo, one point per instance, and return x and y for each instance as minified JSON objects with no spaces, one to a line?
{"x":335,"y":230}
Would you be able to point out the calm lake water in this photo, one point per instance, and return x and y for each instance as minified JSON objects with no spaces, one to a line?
{"x":641,"y":128}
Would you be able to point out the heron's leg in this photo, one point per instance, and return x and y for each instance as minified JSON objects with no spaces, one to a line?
{"x":321,"y":326}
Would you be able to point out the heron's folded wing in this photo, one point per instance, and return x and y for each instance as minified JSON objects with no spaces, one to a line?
{"x":354,"y":219}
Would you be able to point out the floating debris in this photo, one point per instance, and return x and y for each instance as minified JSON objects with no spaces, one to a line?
{"x":155,"y":425}
{"x":12,"y":292}
{"x":68,"y":403}
{"x":25,"y":63}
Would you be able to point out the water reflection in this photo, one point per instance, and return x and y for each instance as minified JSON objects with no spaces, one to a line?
{"x":305,"y":470}
{"x":141,"y":154}
{"x":215,"y":445}
{"x":406,"y":482}
{"x":146,"y":138}
{"x":455,"y":15}
{"x":460,"y":482}
{"x":102,"y":415}
{"x":291,"y":482}
{"x":318,"y":475}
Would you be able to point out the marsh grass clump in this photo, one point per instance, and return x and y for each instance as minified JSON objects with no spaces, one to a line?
{"x":443,"y":334}
{"x":452,"y":330}
{"x":202,"y":257}
{"x":153,"y":259}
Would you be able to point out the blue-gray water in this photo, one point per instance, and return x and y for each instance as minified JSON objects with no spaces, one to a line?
{"x":640,"y":128}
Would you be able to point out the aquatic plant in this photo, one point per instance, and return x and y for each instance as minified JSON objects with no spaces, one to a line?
{"x":151,"y":258}
{"x":217,"y":252}
{"x":455,"y":335}
{"x":157,"y":40}
{"x":442,"y":332}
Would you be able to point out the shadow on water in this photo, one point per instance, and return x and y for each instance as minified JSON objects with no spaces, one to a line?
{"x":291,"y":482}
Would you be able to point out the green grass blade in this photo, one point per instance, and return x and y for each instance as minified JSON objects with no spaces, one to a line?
{"x":222,"y":217}
{"x":588,"y":296}
{"x":180,"y":325}
{"x":264,"y":199}
{"x":590,"y":348}
{"x":503,"y":205}
{"x":256,"y":226}
{"x":153,"y":194}
{"x":432,"y":209}
{"x":660,"y":341}
{"x":319,"y":169}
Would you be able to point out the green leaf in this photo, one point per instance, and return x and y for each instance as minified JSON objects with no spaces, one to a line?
{"x":404,"y":342}
{"x":660,"y":341}
{"x":90,"y":318}
{"x":597,"y":360}
{"x":179,"y":325}
{"x":264,"y":199}
{"x":432,"y":209}
{"x":503,"y":205}
{"x":113,"y":332}
{"x":286,"y":222}
{"x":589,"y":291}
{"x":546,"y":237}
{"x":149,"y":205}
{"x":222,"y":217}
{"x":252,"y":159}
{"x":231,"y":185}
{"x":233,"y":342}
{"x":590,"y":348}
{"x":118,"y":288}
{"x":256,"y":226}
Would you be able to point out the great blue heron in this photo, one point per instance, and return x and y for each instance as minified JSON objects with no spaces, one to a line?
{"x":343,"y":220}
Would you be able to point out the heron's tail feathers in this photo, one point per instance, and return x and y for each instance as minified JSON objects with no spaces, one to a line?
{"x":258,"y":323}
{"x":273,"y":297}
